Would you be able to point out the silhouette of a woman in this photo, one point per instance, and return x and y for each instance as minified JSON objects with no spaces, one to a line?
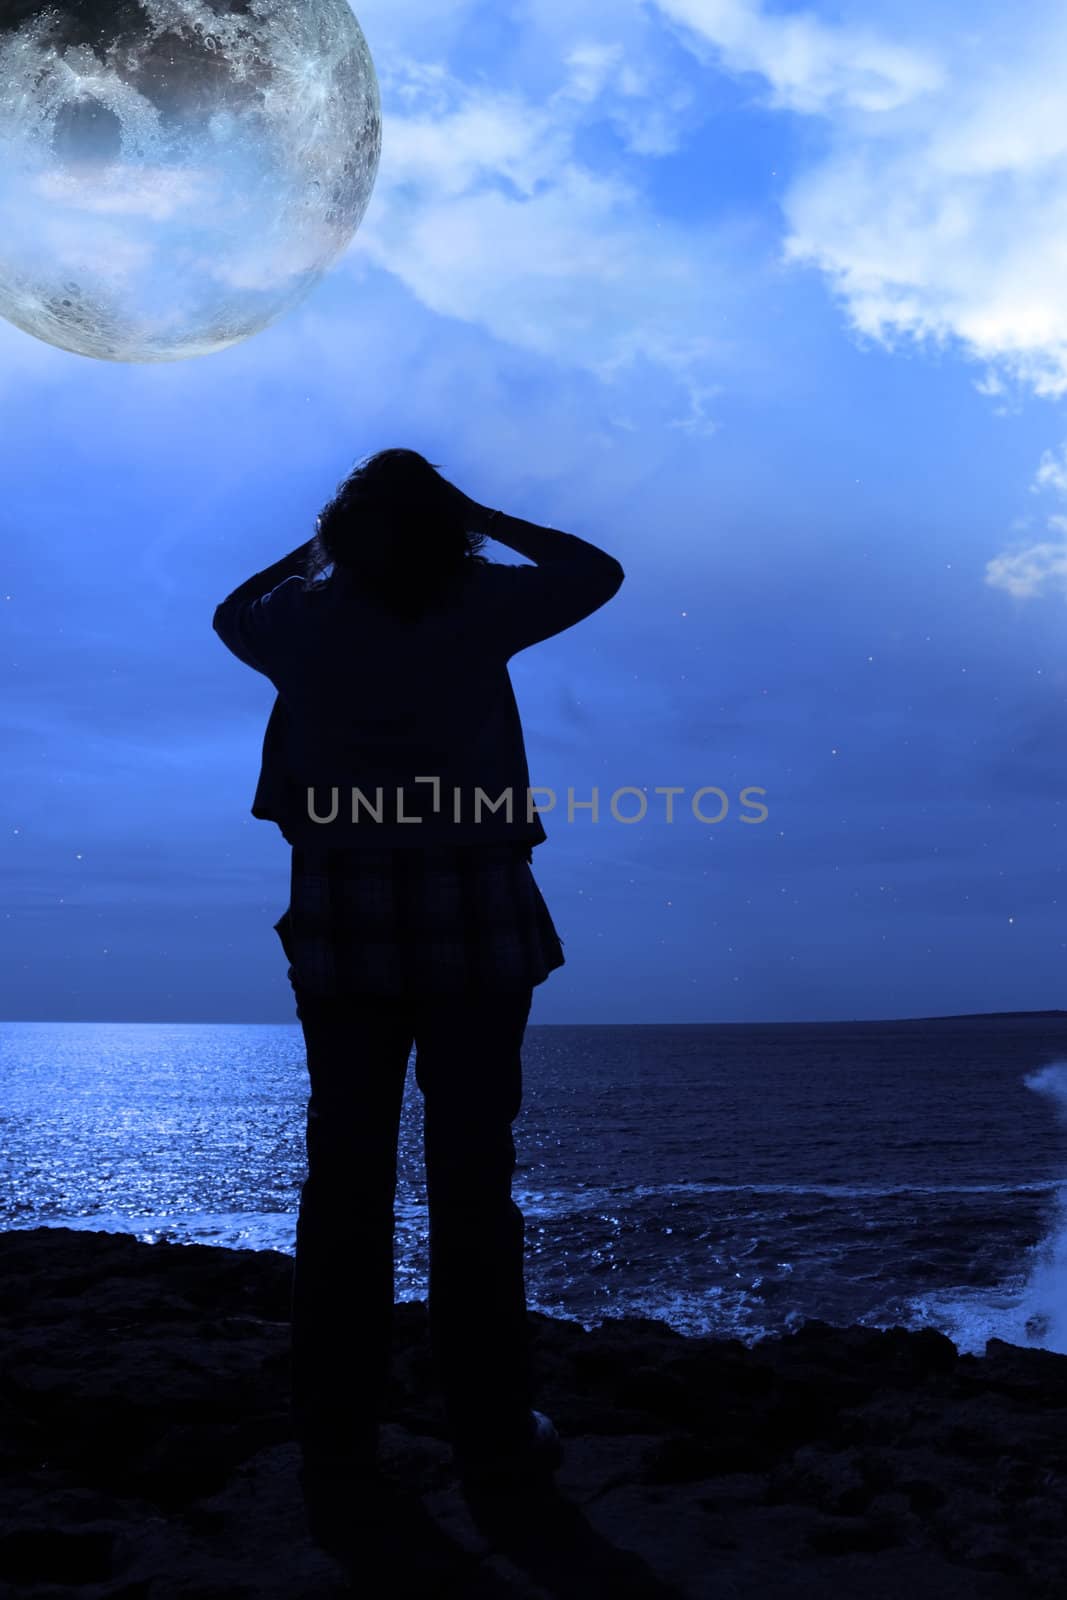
{"x":395,"y":766}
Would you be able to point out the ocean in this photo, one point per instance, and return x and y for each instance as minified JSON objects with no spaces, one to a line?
{"x":729,"y":1179}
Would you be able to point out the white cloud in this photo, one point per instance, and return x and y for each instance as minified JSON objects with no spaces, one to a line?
{"x":122,"y":189}
{"x":484,"y":213}
{"x":1051,"y":472}
{"x":811,"y":65}
{"x":1028,"y":571}
{"x":939,"y":212}
{"x":646,"y":108}
{"x":937,"y":208}
{"x":950,"y":223}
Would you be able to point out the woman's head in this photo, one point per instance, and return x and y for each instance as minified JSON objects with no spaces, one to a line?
{"x":398,"y":526}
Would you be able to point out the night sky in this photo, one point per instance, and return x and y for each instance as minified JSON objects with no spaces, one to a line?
{"x":767,"y":301}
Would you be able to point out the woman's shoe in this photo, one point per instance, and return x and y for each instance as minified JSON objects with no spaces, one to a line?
{"x":536,"y":1457}
{"x":340,"y":1500}
{"x":351,"y":1454}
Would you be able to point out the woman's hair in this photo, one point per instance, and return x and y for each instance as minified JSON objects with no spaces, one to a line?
{"x":399,"y":527}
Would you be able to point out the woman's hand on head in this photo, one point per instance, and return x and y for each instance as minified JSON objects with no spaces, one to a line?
{"x":475,"y":516}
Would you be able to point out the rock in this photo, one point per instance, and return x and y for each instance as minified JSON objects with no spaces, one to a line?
{"x":145,"y":1442}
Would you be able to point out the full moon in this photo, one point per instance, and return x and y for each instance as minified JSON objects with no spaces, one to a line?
{"x":175,"y":175}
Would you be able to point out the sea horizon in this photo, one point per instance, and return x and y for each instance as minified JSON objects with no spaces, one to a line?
{"x":715,"y":1022}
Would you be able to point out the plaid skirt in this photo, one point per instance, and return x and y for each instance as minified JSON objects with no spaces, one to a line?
{"x":415,"y":919}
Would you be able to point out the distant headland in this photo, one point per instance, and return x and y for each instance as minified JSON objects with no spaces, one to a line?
{"x":979,"y":1016}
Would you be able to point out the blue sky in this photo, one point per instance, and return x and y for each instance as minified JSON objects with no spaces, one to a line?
{"x":766,"y":300}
